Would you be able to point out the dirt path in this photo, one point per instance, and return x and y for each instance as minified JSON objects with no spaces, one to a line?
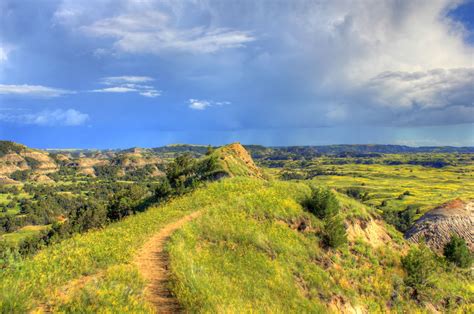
{"x":152,"y":262}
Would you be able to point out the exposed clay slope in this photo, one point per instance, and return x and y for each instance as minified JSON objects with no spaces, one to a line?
{"x":437,"y":225}
{"x":17,"y":157}
{"x":14,"y":157}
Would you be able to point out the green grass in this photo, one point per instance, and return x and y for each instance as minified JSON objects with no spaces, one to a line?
{"x":428,"y":187}
{"x":243,"y":254}
{"x":247,"y":256}
{"x":5,"y":198}
{"x":33,"y":281}
{"x":16,"y":237}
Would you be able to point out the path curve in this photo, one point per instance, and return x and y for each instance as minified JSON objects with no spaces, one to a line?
{"x":152,"y":262}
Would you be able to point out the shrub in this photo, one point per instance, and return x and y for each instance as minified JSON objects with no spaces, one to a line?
{"x":457,"y":252}
{"x":402,"y":220}
{"x":334,"y":232}
{"x":419,"y":265}
{"x":322,"y":203}
{"x":357,"y":193}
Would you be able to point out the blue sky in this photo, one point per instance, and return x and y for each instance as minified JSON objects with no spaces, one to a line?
{"x":122,"y":73}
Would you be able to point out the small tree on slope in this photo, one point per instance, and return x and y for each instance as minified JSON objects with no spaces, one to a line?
{"x":457,"y":252}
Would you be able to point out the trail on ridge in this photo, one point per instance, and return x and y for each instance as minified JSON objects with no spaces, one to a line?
{"x":153,"y":262}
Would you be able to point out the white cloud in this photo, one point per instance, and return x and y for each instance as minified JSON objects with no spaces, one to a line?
{"x":112,"y":80}
{"x":58,"y":117}
{"x":153,"y":32}
{"x":32,"y":90}
{"x":129,"y":84}
{"x":197,"y":104}
{"x":116,"y":89}
{"x":435,"y":88}
{"x":151,"y":93}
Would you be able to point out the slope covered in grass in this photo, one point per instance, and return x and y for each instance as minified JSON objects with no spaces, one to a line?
{"x":105,"y":255}
{"x":234,"y":160}
{"x":248,"y":254}
{"x":244,"y":254}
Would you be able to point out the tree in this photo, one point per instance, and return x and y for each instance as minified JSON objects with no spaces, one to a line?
{"x":209,"y":150}
{"x":457,"y":252}
{"x":181,"y":172}
{"x":419,"y":265}
{"x":322,"y":203}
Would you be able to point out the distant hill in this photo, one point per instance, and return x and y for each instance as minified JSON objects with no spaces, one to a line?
{"x":21,"y":163}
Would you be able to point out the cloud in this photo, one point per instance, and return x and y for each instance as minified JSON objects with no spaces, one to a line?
{"x":58,"y":117}
{"x":152,"y":31}
{"x":151,"y":93}
{"x":3,"y":54}
{"x":436,"y":88}
{"x":116,"y":89}
{"x":32,"y":90}
{"x":128,"y":84}
{"x":111,"y":80}
{"x":197,"y":104}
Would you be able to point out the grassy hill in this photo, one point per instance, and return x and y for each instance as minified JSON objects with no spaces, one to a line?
{"x":251,"y":256}
{"x":234,"y":160}
{"x":255,"y":248}
{"x":244,"y":253}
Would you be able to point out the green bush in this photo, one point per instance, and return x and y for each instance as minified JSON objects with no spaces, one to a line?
{"x":457,"y":252}
{"x":403,"y":219}
{"x":334,"y":232}
{"x":322,"y":203}
{"x":419,"y":265}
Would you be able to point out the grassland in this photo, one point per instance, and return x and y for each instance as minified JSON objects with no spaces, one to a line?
{"x":427,"y":187}
{"x":103,"y":254}
{"x":250,"y":256}
{"x":57,"y":272}
{"x":23,"y":233}
{"x":244,"y":254}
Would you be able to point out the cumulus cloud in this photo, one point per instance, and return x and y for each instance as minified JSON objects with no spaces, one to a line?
{"x":58,"y":117}
{"x":128,"y":84}
{"x":301,"y":63}
{"x":197,"y":104}
{"x":436,"y":88}
{"x":32,"y":90}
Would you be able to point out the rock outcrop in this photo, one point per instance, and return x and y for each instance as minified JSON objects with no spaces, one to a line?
{"x":436,"y":227}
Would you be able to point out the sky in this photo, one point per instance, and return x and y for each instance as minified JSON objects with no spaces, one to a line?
{"x":124,"y":73}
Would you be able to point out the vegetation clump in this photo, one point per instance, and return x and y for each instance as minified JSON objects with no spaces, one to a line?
{"x":419,"y":265}
{"x":457,"y":252}
{"x":324,"y":204}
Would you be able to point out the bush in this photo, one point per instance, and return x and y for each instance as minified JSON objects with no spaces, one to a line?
{"x":322,"y":203}
{"x":457,"y":252}
{"x":420,"y":265}
{"x":334,"y":232}
{"x":357,"y":193}
{"x":402,"y":220}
